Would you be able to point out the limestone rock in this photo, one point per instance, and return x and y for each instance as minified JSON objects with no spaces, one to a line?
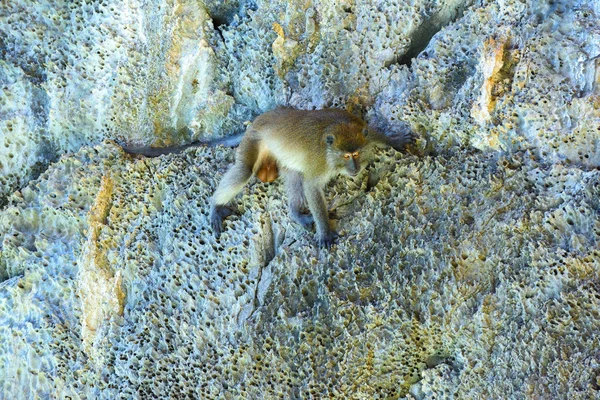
{"x":466,"y":268}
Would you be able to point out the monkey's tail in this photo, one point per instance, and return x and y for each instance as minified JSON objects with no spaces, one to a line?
{"x":148,"y":151}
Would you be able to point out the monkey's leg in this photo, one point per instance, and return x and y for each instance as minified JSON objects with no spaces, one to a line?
{"x":318,"y":208}
{"x":232,"y":183}
{"x":296,"y":200}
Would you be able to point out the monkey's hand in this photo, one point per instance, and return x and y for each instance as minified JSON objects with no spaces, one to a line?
{"x":399,"y":140}
{"x":217,"y":214}
{"x":328,"y":239}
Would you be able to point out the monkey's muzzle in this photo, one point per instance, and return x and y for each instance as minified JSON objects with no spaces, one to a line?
{"x":352,"y":166}
{"x":352,"y":172}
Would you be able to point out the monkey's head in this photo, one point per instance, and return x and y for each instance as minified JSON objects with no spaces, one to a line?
{"x":344,"y":146}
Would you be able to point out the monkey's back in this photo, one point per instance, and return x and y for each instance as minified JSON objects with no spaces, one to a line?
{"x":295,"y":138}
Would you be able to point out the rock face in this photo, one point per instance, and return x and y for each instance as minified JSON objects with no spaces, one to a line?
{"x":467,"y":268}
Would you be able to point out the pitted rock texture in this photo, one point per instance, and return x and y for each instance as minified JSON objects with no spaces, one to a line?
{"x":449,"y":270}
{"x":73,"y":73}
{"x":506,"y":76}
{"x":467,"y":268}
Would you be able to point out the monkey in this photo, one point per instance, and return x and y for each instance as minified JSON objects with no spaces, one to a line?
{"x":267,"y":172}
{"x":309,"y":148}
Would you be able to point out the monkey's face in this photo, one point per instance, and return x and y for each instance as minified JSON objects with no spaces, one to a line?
{"x":352,"y":163}
{"x":344,"y":161}
{"x":345,"y":146}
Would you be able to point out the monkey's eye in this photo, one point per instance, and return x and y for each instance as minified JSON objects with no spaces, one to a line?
{"x":355,"y":154}
{"x":347,"y":156}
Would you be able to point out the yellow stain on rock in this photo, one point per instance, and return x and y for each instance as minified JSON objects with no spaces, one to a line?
{"x":99,"y":287}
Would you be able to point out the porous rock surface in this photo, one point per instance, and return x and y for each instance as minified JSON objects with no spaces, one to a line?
{"x":466,"y":268}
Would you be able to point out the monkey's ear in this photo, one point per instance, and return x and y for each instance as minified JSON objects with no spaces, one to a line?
{"x":365,"y":131}
{"x":329,"y":139}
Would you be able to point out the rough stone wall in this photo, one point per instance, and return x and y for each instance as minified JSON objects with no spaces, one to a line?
{"x":466,"y":269}
{"x":74,"y":73}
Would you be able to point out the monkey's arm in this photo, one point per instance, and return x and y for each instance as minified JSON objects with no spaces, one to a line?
{"x":318,"y":208}
{"x":397,"y":141}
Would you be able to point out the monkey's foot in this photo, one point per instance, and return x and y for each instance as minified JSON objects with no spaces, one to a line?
{"x":400,"y":140}
{"x":328,"y":239}
{"x":217,"y":214}
{"x":306,"y":220}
